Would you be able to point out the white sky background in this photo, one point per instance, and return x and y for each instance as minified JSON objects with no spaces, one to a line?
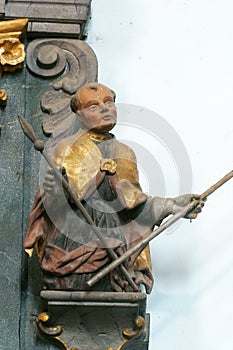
{"x":176,"y":58}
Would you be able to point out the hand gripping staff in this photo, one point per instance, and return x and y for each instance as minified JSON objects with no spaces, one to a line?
{"x":189,"y":207}
{"x":39,"y":146}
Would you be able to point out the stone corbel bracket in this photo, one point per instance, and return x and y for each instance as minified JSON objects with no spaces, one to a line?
{"x":94,"y":320}
{"x":53,"y":333}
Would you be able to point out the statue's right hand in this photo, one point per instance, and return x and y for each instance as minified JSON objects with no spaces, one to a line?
{"x":49,"y":181}
{"x":52,"y":184}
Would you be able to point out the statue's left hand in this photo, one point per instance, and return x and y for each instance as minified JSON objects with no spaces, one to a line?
{"x":118,"y":281}
{"x":183,"y":200}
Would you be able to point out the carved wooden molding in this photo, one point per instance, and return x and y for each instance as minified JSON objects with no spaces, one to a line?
{"x":49,"y":17}
{"x":50,"y":58}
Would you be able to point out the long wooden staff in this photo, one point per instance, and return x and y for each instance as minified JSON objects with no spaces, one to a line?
{"x":153,"y":234}
{"x":39,"y":146}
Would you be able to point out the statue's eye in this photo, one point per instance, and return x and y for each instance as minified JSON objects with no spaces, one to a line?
{"x":109,"y":104}
{"x":92,"y":108}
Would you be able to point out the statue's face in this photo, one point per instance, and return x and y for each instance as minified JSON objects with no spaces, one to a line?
{"x":98,"y":110}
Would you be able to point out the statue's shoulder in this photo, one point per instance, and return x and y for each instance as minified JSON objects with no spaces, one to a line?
{"x":63,"y":145}
{"x":124,"y":151}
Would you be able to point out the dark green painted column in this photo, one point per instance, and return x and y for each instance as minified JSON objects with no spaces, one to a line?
{"x":11,"y":210}
{"x":19,"y":174}
{"x":35,"y":87}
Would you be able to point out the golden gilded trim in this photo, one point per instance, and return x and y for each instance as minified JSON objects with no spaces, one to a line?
{"x":109,"y":165}
{"x":82,"y":163}
{"x":130,"y":334}
{"x":15,"y":25}
{"x":51,"y":332}
{"x":143,"y":261}
{"x":12,"y":52}
{"x":98,"y":137}
{"x":3,"y":98}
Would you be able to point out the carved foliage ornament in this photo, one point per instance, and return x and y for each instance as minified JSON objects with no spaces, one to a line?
{"x":71,"y":59}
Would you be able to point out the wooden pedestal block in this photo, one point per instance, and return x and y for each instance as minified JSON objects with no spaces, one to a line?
{"x":94,"y":320}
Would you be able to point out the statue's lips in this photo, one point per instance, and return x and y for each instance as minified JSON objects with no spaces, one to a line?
{"x":107,"y":117}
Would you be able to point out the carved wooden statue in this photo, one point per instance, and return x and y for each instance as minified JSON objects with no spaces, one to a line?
{"x":102,"y":173}
{"x":91,"y":225}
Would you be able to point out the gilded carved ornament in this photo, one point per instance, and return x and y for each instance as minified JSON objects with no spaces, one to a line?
{"x":12,"y":52}
{"x":3,"y":97}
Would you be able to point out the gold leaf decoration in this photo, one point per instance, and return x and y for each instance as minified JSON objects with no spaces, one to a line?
{"x":12,"y":52}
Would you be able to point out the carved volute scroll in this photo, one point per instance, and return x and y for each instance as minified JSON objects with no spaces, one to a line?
{"x":71,"y":59}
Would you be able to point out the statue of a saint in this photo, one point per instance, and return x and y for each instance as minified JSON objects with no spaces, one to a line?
{"x":103,"y":173}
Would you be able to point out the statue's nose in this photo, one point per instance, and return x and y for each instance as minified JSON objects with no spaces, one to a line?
{"x":103,"y":108}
